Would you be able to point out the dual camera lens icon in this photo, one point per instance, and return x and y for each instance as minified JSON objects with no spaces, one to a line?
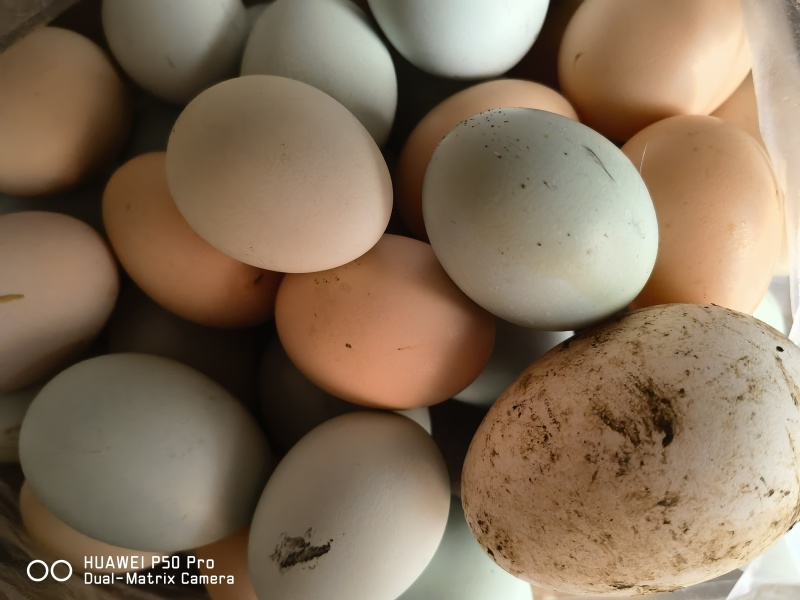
{"x":35,"y":567}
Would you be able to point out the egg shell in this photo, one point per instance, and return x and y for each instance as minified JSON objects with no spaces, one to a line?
{"x":170,"y":262}
{"x":64,"y":112}
{"x":515,"y":348}
{"x":539,"y":219}
{"x":13,"y":406}
{"x":389,"y":330}
{"x":58,"y":285}
{"x":653,"y":452}
{"x":291,"y":405}
{"x":61,"y":542}
{"x":143,"y":452}
{"x":229,"y":558}
{"x":333,"y":46}
{"x":420,"y":145}
{"x":625,"y":64}
{"x":460,"y":569}
{"x":229,"y":357}
{"x":279,"y":175}
{"x":464,"y":39}
{"x":719,"y":210}
{"x":175,"y":49}
{"x":355,"y":511}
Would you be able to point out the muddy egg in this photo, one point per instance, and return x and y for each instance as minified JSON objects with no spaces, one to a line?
{"x":650,"y":453}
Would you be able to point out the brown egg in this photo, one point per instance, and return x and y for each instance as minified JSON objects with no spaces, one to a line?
{"x":59,"y":541}
{"x":58,"y":285}
{"x":170,"y":262}
{"x":719,"y":212}
{"x":418,"y":149}
{"x":63,"y":112}
{"x":228,"y":557}
{"x":625,"y":64}
{"x":388,"y":330}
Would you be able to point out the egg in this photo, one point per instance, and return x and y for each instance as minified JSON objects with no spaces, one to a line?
{"x":388,"y":330}
{"x":355,"y":511}
{"x":331,"y":45}
{"x":143,"y":452}
{"x":229,"y":357}
{"x":227,"y":558}
{"x":175,"y":49}
{"x":515,"y":348}
{"x":719,"y":210}
{"x":539,"y":219}
{"x":653,"y":452}
{"x":170,"y":262}
{"x":420,"y":145}
{"x":625,"y":64}
{"x":59,"y":541}
{"x":460,"y":570}
{"x":13,"y":406}
{"x":58,"y":285}
{"x":466,"y":40}
{"x":64,"y":113}
{"x":278,"y":175}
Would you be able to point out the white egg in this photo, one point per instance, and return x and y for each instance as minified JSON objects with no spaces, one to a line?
{"x":332,"y":46}
{"x":13,"y":406}
{"x":355,"y":511}
{"x":175,"y":49}
{"x":461,"y":570}
{"x":515,"y":348}
{"x":539,"y":219}
{"x":143,"y":452}
{"x":464,"y":39}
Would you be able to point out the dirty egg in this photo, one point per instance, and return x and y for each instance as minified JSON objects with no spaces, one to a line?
{"x":656,"y":451}
{"x":359,"y":523}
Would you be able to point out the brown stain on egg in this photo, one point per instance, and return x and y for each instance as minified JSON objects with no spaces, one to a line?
{"x":11,"y":297}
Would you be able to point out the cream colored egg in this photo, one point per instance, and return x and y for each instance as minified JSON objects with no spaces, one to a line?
{"x":143,"y":452}
{"x":650,"y":453}
{"x":61,"y":542}
{"x":355,"y":511}
{"x":58,"y":285}
{"x":278,"y":175}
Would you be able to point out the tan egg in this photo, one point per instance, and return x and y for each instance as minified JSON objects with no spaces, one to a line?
{"x":170,"y":262}
{"x":625,"y":64}
{"x":64,"y":112}
{"x":388,"y":330}
{"x":418,"y":149}
{"x":227,"y":558}
{"x":279,"y":175}
{"x":58,"y":286}
{"x":719,"y":213}
{"x":61,"y":542}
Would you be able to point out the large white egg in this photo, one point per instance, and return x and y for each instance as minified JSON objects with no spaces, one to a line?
{"x":331,"y":45}
{"x":540,"y":220}
{"x":355,"y":511}
{"x":515,"y":348}
{"x":175,"y":49}
{"x":143,"y":452}
{"x":465,"y":39}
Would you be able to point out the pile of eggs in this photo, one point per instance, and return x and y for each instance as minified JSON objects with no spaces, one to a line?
{"x":390,"y":205}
